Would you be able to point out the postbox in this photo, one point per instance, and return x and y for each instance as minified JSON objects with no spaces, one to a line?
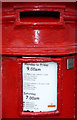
{"x":38,"y":60}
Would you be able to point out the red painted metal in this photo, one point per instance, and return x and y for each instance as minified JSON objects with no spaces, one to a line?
{"x":0,"y":88}
{"x":53,"y":39}
{"x":31,"y":60}
{"x":39,"y":35}
{"x":12,"y":89}
{"x":39,"y":21}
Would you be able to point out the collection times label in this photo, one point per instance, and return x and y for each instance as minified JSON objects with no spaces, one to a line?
{"x":39,"y":86}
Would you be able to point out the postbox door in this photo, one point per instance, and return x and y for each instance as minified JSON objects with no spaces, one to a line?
{"x":39,"y":86}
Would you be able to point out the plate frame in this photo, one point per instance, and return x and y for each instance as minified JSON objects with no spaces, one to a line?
{"x":20,"y":61}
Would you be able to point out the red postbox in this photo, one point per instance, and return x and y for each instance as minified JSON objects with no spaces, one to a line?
{"x":38,"y":60}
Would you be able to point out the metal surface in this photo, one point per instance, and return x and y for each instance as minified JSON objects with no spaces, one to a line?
{"x":42,"y":36}
{"x":70,"y":63}
{"x":33,"y":35}
{"x":12,"y":89}
{"x":20,"y":61}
